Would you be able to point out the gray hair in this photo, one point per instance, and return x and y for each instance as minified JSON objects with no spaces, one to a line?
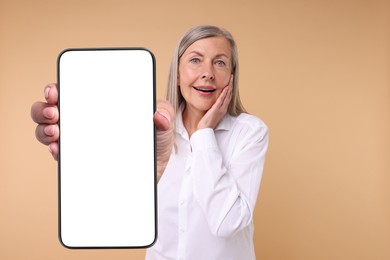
{"x":194,"y":34}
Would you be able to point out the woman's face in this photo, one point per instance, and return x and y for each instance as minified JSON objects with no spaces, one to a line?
{"x":204,"y":70}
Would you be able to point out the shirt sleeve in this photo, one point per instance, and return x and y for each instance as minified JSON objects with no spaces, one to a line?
{"x":227,"y":194}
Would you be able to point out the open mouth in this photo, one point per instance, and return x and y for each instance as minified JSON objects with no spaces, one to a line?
{"x":206,"y":90}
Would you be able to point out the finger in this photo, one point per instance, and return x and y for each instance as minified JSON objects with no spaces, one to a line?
{"x":221,"y":99}
{"x":165,"y":105}
{"x":228,"y":95}
{"x":51,"y":94}
{"x":164,"y":120}
{"x":161,"y":121}
{"x":43,"y":113}
{"x":231,"y":81}
{"x":47,"y":134}
{"x":53,"y":149}
{"x":164,"y":116}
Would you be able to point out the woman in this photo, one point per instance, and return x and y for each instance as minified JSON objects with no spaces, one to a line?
{"x":209,"y":181}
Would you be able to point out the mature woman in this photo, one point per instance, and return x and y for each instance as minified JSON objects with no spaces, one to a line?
{"x":209,"y":179}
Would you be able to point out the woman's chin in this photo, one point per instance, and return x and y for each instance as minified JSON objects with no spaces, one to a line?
{"x":204,"y":107}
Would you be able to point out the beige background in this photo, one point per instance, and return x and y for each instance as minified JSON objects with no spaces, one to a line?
{"x":318,"y":72}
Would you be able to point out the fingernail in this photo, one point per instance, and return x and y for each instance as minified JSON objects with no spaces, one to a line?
{"x":47,"y":91}
{"x":48,"y":112}
{"x":163,"y":113}
{"x":49,"y":130}
{"x":50,"y":150}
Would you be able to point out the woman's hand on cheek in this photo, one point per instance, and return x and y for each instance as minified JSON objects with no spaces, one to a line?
{"x":219,"y":109}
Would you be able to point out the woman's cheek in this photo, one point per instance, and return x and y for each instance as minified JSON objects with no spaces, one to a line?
{"x":225,"y":81}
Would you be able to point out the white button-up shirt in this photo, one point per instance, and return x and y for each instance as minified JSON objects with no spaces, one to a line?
{"x":207,"y":194}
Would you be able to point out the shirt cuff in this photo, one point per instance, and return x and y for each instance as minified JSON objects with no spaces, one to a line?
{"x":203,"y":139}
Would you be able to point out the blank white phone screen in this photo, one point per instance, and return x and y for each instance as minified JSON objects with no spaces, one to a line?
{"x":107,"y":184}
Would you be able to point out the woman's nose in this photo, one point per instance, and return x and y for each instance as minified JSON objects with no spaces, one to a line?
{"x":208,"y":72}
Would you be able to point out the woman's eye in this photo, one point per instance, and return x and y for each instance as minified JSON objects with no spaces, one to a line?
{"x":220,"y":63}
{"x":195,"y":60}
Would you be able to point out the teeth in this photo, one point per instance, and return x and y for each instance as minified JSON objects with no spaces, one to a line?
{"x":204,"y":89}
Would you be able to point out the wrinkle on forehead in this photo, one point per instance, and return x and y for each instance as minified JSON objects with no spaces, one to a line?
{"x":213,"y":46}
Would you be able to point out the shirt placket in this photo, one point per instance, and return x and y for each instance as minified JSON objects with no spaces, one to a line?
{"x":184,"y":195}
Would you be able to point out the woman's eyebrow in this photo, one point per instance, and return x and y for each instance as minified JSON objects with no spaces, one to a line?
{"x":222,"y":55}
{"x":195,"y":52}
{"x":219,"y":55}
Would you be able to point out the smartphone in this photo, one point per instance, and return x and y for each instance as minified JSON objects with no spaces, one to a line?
{"x":107,"y":148}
